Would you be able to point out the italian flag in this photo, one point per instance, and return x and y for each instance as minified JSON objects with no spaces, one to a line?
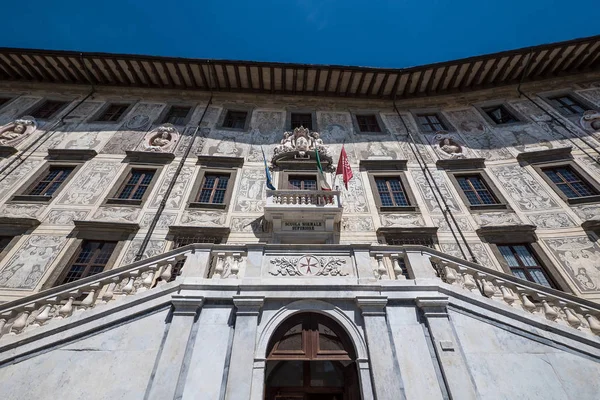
{"x":322,"y":180}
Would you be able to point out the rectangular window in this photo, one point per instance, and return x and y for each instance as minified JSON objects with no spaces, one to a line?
{"x":113,"y":112}
{"x":569,"y":182}
{"x":214,"y":187}
{"x":368,"y":123}
{"x":304,"y":120}
{"x":90,"y":259}
{"x":4,"y":242}
{"x":567,"y":105}
{"x":235,"y":119}
{"x":136,"y":184}
{"x":302,"y":182}
{"x":51,"y":181}
{"x":523,"y":264}
{"x":4,"y":100}
{"x":391,"y":192}
{"x":48,"y":109}
{"x":500,"y":115}
{"x":431,"y":122}
{"x":176,"y":115}
{"x":476,"y":190}
{"x":403,"y":240}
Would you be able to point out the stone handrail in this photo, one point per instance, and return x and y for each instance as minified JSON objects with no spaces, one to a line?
{"x":329,"y":198}
{"x":229,"y":261}
{"x":61,"y":301}
{"x":552,"y":304}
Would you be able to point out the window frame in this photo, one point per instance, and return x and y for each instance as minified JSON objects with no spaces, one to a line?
{"x":38,"y":105}
{"x":481,"y":108}
{"x":549,"y":97}
{"x":235,"y":108}
{"x":375,"y":113}
{"x":448,"y":127}
{"x":412,"y":206}
{"x":521,"y":235}
{"x":283,"y":178}
{"x":8,"y":99}
{"x":102,"y":110}
{"x":501,"y":204}
{"x":113,"y":198}
{"x":22,"y":196}
{"x":313,"y":116}
{"x":525,"y":268}
{"x":216,"y":165}
{"x":165,"y":113}
{"x":539,"y":168}
{"x":75,"y":255}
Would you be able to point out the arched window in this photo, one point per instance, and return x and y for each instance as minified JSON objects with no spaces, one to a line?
{"x":311,"y":357}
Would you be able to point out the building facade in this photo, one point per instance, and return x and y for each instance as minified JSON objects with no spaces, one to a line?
{"x":145,"y":255}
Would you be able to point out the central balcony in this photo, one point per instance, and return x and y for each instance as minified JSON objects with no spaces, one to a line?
{"x":298,"y":214}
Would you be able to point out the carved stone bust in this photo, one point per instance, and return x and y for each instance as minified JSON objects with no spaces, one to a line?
{"x":15,"y":132}
{"x":162,"y":139}
{"x":448,"y":146}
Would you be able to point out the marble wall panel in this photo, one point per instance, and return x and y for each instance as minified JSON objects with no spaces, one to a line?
{"x":442,"y":224}
{"x":394,"y":124}
{"x":354,"y":200}
{"x":18,"y":176}
{"x":90,"y":183}
{"x":117,"y":214}
{"x":428,"y":194}
{"x":580,"y":258}
{"x":16,"y":108}
{"x":203,"y":218}
{"x":72,"y":136}
{"x":380,"y":147}
{"x":224,"y":144}
{"x":210,"y":117}
{"x":480,"y":252}
{"x":526,"y":192}
{"x":554,"y":220}
{"x":186,"y":137}
{"x":497,"y":218}
{"x":164,"y":221}
{"x":29,"y":263}
{"x":256,"y":225}
{"x":251,"y":193}
{"x":401,"y":220}
{"x":22,"y":210}
{"x":357,"y":224}
{"x":130,"y":134}
{"x":155,"y":248}
{"x":65,"y":216}
{"x":592,"y":95}
{"x":268,"y":122}
{"x":587,"y":212}
{"x":176,"y":198}
{"x":84,"y":110}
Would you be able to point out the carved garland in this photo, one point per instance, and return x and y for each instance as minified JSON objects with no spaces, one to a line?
{"x":308,"y":265}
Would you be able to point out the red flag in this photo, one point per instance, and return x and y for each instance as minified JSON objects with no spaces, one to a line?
{"x":343,"y":168}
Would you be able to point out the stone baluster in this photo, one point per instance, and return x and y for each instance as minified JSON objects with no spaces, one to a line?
{"x":148,"y":280}
{"x":525,"y":301}
{"x":449,"y":273}
{"x":380,"y":271}
{"x":396,"y":264}
{"x":89,"y":299}
{"x":109,"y":293}
{"x":220,"y":267}
{"x":67,"y":308}
{"x":44,"y":315}
{"x":167,"y":272}
{"x":507,"y":295}
{"x":488,"y":288}
{"x":570,"y":315}
{"x":592,"y":321}
{"x":3,"y":319}
{"x":468,"y":279}
{"x":128,"y":288}
{"x":20,"y":323}
{"x":549,"y":311}
{"x":235,"y":267}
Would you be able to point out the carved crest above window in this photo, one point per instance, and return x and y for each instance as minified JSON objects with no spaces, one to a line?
{"x":162,"y":139}
{"x":299,"y":147}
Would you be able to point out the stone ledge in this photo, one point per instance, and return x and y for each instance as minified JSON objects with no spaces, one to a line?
{"x":383,"y":165}
{"x":71,"y":154}
{"x":149,"y":157}
{"x":220,"y":161}
{"x":507,"y":233}
{"x":461,"y":163}
{"x":540,"y":156}
{"x":7,"y":151}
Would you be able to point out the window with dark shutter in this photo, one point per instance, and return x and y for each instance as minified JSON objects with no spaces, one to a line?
{"x":90,"y":259}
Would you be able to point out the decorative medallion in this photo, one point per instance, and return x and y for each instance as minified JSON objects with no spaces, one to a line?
{"x":308,"y":265}
{"x":15,"y":132}
{"x":448,"y":145}
{"x":162,"y":139}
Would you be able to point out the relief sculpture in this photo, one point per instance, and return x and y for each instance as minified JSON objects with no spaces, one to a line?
{"x":251,"y":192}
{"x":580,"y":258}
{"x":15,"y":132}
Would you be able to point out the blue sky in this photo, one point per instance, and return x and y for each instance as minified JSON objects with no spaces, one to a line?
{"x":380,"y":33}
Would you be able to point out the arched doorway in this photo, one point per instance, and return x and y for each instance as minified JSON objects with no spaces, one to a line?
{"x":310,"y":357}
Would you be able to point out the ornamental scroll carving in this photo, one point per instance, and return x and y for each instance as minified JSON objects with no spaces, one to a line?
{"x":590,"y":120}
{"x":15,"y":132}
{"x":301,"y":144}
{"x":307,"y":265}
{"x":162,"y":139}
